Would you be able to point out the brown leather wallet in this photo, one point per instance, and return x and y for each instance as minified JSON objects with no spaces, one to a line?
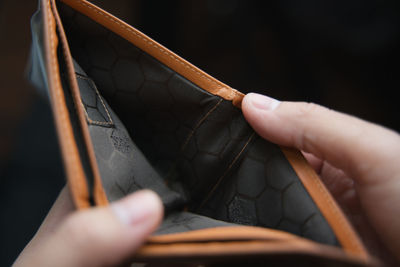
{"x":130,"y":114}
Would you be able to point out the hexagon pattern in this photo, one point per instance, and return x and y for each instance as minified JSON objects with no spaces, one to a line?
{"x":193,"y":148}
{"x":186,"y":221}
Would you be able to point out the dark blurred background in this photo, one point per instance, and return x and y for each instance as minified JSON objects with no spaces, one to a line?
{"x":341,"y":54}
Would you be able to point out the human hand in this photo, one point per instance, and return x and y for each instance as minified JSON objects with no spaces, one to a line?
{"x":101,"y":236}
{"x":358,"y":161}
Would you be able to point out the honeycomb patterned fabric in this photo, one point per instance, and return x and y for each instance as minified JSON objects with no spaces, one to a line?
{"x":191,"y":147}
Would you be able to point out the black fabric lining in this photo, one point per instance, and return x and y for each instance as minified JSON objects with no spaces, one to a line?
{"x":197,"y":144}
{"x":225,"y":173}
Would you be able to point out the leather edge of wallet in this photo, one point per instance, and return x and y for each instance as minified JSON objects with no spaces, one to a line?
{"x":340,"y":225}
{"x":238,"y":249}
{"x":342,"y":228}
{"x":237,"y":242}
{"x":99,"y":196}
{"x":161,"y":53}
{"x":71,"y":158}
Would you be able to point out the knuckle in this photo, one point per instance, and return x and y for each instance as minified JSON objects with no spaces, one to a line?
{"x":308,"y":109}
{"x":306,"y":116}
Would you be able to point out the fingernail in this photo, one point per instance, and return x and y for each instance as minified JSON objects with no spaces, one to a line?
{"x":263,"y":102}
{"x":138,"y":207}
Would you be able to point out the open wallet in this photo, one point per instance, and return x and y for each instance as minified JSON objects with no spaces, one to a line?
{"x":130,"y":114}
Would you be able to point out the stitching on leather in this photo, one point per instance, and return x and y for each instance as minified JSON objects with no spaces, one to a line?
{"x":190,"y":135}
{"x":338,"y":215}
{"x":73,"y":167}
{"x":93,"y":85}
{"x":226,"y":172}
{"x":153,"y":44}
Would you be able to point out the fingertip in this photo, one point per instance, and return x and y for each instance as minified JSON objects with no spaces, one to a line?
{"x":261,"y":102}
{"x":246,"y":107}
{"x":257,"y":110}
{"x":261,"y":113}
{"x":143,"y":207}
{"x":155,"y":204}
{"x":104,"y":236}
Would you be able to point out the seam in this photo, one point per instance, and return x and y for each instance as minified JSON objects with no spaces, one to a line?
{"x":70,"y":154}
{"x":226,"y":172}
{"x":190,"y":135}
{"x":153,"y":44}
{"x":93,"y":85}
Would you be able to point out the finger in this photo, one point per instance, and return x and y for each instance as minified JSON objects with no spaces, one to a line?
{"x":103,"y":236}
{"x":316,"y":163}
{"x":338,"y":183}
{"x":360,"y":148}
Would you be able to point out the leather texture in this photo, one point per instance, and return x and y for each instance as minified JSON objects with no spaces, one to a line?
{"x":196,"y":143}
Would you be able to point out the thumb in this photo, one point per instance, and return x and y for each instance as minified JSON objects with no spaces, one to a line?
{"x":102,"y":236}
{"x":368,"y":153}
{"x":360,"y":148}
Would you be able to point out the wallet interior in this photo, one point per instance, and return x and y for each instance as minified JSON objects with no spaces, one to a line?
{"x":153,"y":128}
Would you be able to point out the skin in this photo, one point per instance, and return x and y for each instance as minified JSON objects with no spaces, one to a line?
{"x":106,"y":236}
{"x":357,"y":160}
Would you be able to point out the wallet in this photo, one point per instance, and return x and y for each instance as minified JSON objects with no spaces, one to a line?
{"x":130,"y":114}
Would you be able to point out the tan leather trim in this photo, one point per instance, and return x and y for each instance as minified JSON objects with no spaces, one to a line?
{"x":239,"y":241}
{"x":325,"y":202}
{"x":69,"y":150}
{"x":178,"y":64}
{"x":237,"y":101}
{"x":228,"y":233}
{"x":206,"y":251}
{"x":98,"y":191}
